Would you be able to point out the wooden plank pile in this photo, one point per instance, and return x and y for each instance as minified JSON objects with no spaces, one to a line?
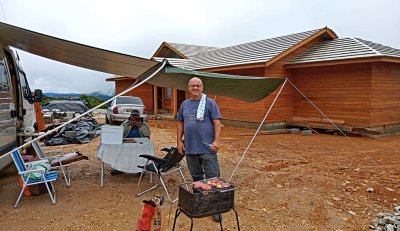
{"x":325,"y":124}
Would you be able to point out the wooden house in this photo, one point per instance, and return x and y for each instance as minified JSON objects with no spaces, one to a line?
{"x":350,"y":80}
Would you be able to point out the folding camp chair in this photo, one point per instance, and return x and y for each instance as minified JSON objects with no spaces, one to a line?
{"x":28,"y":177}
{"x":53,"y":159}
{"x":167,"y":165}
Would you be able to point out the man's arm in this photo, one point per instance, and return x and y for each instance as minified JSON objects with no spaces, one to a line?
{"x":144,"y":129}
{"x":179,"y":144}
{"x":217,"y":134}
{"x":126,"y":127}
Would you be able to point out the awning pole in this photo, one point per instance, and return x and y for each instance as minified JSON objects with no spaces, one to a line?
{"x":133,"y":86}
{"x":259,"y":127}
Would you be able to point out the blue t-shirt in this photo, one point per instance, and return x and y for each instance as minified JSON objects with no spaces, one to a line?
{"x":198,"y":135}
{"x":134,"y":132}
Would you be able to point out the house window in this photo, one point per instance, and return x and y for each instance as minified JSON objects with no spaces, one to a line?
{"x":168,"y":93}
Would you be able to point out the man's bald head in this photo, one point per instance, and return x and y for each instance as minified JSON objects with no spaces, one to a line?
{"x":195,"y":87}
{"x":194,"y":79}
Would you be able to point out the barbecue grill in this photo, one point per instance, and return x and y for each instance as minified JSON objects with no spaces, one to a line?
{"x":196,"y":203}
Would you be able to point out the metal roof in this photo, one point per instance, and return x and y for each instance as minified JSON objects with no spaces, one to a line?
{"x":345,"y":48}
{"x":190,"y":50}
{"x":173,"y":61}
{"x":253,"y":52}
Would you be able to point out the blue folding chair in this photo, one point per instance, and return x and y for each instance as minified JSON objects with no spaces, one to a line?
{"x":58,"y":159}
{"x":42,"y":176}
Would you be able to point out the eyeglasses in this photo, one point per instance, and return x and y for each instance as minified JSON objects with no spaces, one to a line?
{"x":196,"y":85}
{"x":135,"y":119}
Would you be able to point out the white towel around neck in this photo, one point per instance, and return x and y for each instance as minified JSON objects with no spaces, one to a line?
{"x":201,"y":108}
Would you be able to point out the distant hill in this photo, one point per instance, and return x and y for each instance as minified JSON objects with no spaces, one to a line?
{"x":101,"y":95}
{"x":61,"y":95}
{"x":66,"y":95}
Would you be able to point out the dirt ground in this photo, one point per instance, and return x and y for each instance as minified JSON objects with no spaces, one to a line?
{"x":285,"y":182}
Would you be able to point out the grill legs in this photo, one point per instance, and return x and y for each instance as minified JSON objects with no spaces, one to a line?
{"x":237,"y":218}
{"x":177,"y":213}
{"x":179,"y":210}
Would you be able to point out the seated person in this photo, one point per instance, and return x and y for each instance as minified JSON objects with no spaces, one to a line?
{"x":135,"y":127}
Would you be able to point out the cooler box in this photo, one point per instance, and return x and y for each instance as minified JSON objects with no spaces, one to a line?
{"x":111,"y":134}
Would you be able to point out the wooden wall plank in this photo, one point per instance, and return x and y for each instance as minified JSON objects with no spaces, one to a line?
{"x":234,"y":109}
{"x":385,"y":90}
{"x":340,"y":92}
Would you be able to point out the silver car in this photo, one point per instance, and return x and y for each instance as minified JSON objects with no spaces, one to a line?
{"x":120,"y":109}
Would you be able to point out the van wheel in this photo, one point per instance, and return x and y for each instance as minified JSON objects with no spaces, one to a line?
{"x":107,"y":121}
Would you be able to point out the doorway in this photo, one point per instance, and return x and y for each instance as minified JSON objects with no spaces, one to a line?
{"x":159,"y":98}
{"x":181,"y":96}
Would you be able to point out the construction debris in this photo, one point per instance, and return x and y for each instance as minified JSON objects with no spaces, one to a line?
{"x":317,"y":120}
{"x":270,"y":132}
{"x":306,"y":132}
{"x":294,"y":130}
{"x":77,"y":132}
{"x":323,"y":126}
{"x":386,"y":221}
{"x":332,"y":125}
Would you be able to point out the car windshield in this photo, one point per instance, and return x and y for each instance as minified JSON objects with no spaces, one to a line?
{"x":129,"y":100}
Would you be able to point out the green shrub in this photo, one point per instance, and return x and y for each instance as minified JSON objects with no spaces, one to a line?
{"x":93,"y":101}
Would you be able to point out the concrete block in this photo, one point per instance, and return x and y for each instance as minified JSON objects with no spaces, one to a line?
{"x":306,"y":132}
{"x":48,"y":118}
{"x":294,"y":130}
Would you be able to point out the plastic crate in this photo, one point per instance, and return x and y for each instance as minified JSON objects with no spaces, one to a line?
{"x":201,"y":204}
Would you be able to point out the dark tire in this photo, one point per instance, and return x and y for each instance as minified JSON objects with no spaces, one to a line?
{"x":107,"y":121}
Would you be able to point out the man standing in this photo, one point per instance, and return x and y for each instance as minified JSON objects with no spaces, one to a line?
{"x":199,"y":119}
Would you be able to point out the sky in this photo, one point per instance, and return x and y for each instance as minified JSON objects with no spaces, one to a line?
{"x":139,"y":27}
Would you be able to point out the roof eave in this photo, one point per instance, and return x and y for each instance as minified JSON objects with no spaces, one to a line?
{"x":344,"y":61}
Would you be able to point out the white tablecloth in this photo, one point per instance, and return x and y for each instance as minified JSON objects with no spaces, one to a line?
{"x":125,"y":157}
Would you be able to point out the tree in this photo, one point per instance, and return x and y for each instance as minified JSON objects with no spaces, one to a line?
{"x":93,"y":101}
{"x":46,"y":99}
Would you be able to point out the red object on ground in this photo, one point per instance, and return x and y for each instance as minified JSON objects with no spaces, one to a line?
{"x":26,"y":190}
{"x":145,"y":221}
